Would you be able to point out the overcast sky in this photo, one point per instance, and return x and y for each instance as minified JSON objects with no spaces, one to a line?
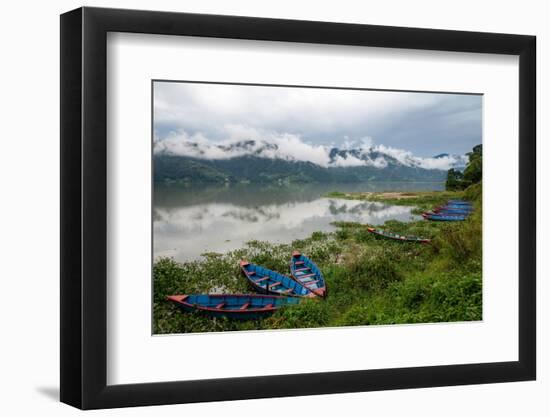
{"x":425,"y":124}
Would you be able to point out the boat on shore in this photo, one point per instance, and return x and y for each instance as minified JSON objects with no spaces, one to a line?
{"x":451,"y":209}
{"x":235,"y":306}
{"x":266,"y":281}
{"x":442,"y":217}
{"x":308,"y":274}
{"x":395,"y":236}
{"x":459,"y":203}
{"x":458,"y":207}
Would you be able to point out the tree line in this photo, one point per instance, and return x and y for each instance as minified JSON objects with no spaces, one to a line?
{"x":460,"y":180}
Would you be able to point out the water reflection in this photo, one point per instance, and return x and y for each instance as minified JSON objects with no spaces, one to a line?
{"x":189,"y":222}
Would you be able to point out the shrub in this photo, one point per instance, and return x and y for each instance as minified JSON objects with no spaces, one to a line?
{"x":370,"y":271}
{"x":473,"y":192}
{"x":309,"y":313}
{"x":462,"y":241}
{"x":358,"y":315}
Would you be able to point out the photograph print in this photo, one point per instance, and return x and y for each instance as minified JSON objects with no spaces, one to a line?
{"x":286,"y":207}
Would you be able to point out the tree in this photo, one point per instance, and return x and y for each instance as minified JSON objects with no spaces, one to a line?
{"x":454,"y":180}
{"x":473,"y":171}
{"x":457,"y":180}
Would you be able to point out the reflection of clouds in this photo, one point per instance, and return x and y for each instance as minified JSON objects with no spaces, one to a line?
{"x":186,"y":232}
{"x":250,"y":216}
{"x":289,"y":215}
{"x":366,"y":208}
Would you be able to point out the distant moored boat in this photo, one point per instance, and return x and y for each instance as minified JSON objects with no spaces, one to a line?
{"x":453,"y":210}
{"x":270,"y":282}
{"x":444,"y":217}
{"x":395,"y":236}
{"x":235,"y":306}
{"x":308,"y":274}
{"x":459,"y":202}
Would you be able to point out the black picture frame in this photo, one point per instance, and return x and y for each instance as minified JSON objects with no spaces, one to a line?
{"x":84,"y":207}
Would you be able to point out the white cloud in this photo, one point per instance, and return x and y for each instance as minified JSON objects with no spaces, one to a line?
{"x":347,"y":161}
{"x":245,"y":140}
{"x":314,"y":108}
{"x":407,"y":158}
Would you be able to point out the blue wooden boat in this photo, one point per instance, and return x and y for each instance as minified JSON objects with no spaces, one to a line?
{"x":308,"y":274}
{"x":459,"y":206}
{"x":395,"y":236}
{"x":455,"y":208}
{"x":459,"y":203}
{"x":235,"y":306}
{"x":267,"y":281}
{"x":443,"y":217}
{"x":450,"y":213}
{"x":450,"y":210}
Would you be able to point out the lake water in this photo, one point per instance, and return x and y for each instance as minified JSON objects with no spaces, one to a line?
{"x":189,"y":221}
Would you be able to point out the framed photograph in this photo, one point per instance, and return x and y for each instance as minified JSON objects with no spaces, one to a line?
{"x":257,"y":208}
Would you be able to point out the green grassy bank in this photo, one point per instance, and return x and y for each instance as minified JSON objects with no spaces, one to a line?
{"x":370,"y":281}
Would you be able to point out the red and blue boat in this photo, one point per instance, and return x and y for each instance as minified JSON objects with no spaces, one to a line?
{"x":234,"y":306}
{"x":304,"y":271}
{"x":267,"y":281}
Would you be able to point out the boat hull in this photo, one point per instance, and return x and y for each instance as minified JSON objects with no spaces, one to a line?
{"x":443,"y":218}
{"x":233,"y":306}
{"x":304,"y":271}
{"x":459,"y":202}
{"x":266,"y":281}
{"x":396,"y":237}
{"x":451,"y":211}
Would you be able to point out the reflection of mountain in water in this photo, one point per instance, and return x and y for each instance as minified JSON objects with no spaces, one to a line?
{"x":185,"y":231}
{"x":249,"y":195}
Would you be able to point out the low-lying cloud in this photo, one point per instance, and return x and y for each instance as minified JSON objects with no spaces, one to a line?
{"x":244,"y":140}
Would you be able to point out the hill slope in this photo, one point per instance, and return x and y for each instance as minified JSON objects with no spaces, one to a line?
{"x":253,"y":169}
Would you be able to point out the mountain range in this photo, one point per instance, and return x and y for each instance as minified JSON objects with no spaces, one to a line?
{"x":263,"y":162}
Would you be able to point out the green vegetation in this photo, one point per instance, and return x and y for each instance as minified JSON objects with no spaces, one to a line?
{"x":457,"y":180}
{"x":370,"y":280}
{"x":258,"y":170}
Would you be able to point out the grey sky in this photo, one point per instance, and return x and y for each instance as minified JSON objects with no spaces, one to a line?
{"x":425,"y":124}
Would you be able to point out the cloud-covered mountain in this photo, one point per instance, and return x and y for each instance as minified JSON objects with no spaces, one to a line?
{"x":287,"y":159}
{"x":290,"y":148}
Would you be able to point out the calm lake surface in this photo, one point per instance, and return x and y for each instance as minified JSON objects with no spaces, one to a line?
{"x":189,"y":221}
